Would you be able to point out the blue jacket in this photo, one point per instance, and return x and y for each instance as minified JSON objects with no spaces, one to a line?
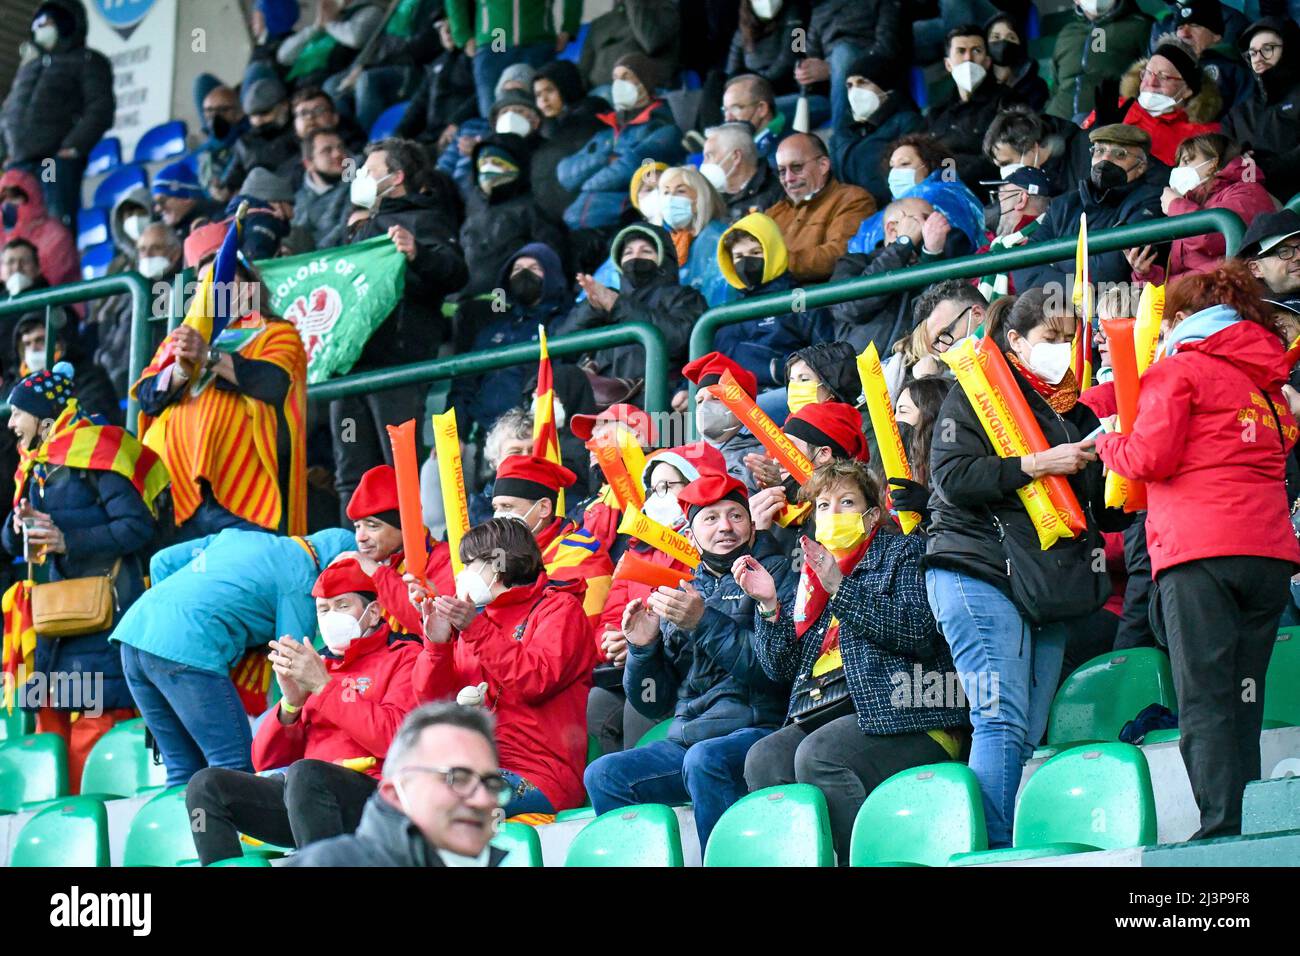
{"x":601,"y":171}
{"x":102,"y":518}
{"x":710,"y":679}
{"x":213,"y":598}
{"x":887,"y":632}
{"x":858,"y":149}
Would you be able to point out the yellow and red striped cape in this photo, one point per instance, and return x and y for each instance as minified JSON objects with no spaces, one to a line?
{"x":575,"y":554}
{"x":19,"y":639}
{"x":229,"y":439}
{"x":77,"y":442}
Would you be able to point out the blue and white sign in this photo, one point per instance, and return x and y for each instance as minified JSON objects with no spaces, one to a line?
{"x":123,"y":15}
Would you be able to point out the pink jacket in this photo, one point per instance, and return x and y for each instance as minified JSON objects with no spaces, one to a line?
{"x":52,"y":239}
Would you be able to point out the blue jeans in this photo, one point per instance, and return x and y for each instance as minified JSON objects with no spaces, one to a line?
{"x":526,"y":797}
{"x":488,"y":67}
{"x":379,"y":88}
{"x":195,"y":715}
{"x":772,"y":402}
{"x":819,"y":110}
{"x":709,"y":774}
{"x":1009,"y":670}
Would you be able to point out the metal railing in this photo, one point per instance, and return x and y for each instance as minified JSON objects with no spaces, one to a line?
{"x":51,"y":300}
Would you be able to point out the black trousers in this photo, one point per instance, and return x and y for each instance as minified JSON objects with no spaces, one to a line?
{"x":841,"y":761}
{"x":311,"y":801}
{"x":1221,"y":617}
{"x":360,"y":438}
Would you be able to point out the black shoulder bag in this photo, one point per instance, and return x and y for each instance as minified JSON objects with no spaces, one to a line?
{"x":1058,"y":584}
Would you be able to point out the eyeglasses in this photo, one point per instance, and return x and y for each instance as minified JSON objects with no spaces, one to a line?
{"x":793,"y":169}
{"x":948,"y":335}
{"x":1104,"y":150}
{"x":464,"y":781}
{"x":1162,"y":78}
{"x":1286,"y":252}
{"x":313,"y":112}
{"x":1264,"y":52}
{"x":661,"y":489}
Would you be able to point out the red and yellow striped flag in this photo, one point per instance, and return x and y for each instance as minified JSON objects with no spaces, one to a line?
{"x":19,"y":639}
{"x":1081,"y":363}
{"x":546,"y":437}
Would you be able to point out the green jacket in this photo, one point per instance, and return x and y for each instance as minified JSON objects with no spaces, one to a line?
{"x":1089,"y":51}
{"x":522,"y":22}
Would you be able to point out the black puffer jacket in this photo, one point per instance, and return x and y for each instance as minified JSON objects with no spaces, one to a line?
{"x":1268,"y":122}
{"x":661,"y":301}
{"x":445,"y":97}
{"x":562,"y":136}
{"x":970,"y":484}
{"x":498,"y":224}
{"x":273,"y":147}
{"x":59,"y":99}
{"x":414,"y":330}
{"x":961,"y":127}
{"x":772,"y":55}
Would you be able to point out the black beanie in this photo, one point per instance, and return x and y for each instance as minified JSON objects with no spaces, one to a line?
{"x":878,"y":69}
{"x":1187,"y":67}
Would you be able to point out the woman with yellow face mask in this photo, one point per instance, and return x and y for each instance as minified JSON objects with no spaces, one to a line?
{"x":874,"y":689}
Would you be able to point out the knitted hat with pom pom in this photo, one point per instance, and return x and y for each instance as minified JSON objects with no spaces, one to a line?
{"x":44,"y":393}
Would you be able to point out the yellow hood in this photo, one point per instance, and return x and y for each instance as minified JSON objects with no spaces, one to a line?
{"x":768,"y":234}
{"x":634,"y":187}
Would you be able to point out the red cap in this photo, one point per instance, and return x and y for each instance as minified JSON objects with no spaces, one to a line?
{"x":376,"y":494}
{"x":531,"y":478}
{"x":204,"y":241}
{"x":834,"y":424}
{"x":343,"y":577}
{"x":709,"y":489}
{"x":628,"y":415}
{"x":708,"y":369}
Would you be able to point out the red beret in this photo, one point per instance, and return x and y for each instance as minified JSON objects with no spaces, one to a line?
{"x":830,"y":423}
{"x":531,"y":478}
{"x":204,"y":241}
{"x":343,"y":577}
{"x":376,"y":494}
{"x":708,"y":369}
{"x":709,"y":489}
{"x":628,"y":415}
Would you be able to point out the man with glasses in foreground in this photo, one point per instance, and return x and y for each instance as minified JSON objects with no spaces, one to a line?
{"x":1271,"y":250}
{"x":437,"y":801}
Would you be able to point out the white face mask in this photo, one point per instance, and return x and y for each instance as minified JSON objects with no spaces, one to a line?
{"x":1050,"y":360}
{"x":863,"y":102}
{"x":1157,"y":104}
{"x":46,"y":37}
{"x":34,"y":359}
{"x":765,"y":9}
{"x":1183,"y":179}
{"x":651,"y":207}
{"x":716,"y":175}
{"x":364,"y":191}
{"x":968,"y":75}
{"x":154,"y":267}
{"x":1008,"y":169}
{"x":471,"y":587}
{"x":624,"y":94}
{"x":339,"y":629}
{"x":664,"y":509}
{"x":1094,"y":8}
{"x":560,"y":416}
{"x":512,"y":122}
{"x":133,"y":226}
{"x":18,"y":283}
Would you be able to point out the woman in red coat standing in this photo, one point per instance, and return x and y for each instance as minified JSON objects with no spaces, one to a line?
{"x":1210,"y":440}
{"x":521,"y":647}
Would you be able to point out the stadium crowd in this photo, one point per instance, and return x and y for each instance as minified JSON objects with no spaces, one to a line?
{"x":688,"y":156}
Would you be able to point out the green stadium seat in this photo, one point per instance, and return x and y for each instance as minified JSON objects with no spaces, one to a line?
{"x":160,"y":833}
{"x":644,"y":836}
{"x":1282,"y":681}
{"x":658,"y":732}
{"x":920,"y":817}
{"x":593,"y":749}
{"x":242,"y":861}
{"x":69,"y":832}
{"x":120,"y":765}
{"x":1161,"y":736}
{"x":33,"y":769}
{"x":1096,"y":797}
{"x":1103,"y":694}
{"x":778,"y":826}
{"x":521,"y":843}
{"x":15,"y":723}
{"x":585,"y":812}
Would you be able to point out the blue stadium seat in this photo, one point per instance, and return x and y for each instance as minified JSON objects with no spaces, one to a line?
{"x":96,"y":259}
{"x":92,"y":227}
{"x":1033,"y":28}
{"x":162,"y":142}
{"x":118,"y":183}
{"x":916,"y":83}
{"x":104,"y":155}
{"x":574,"y":49}
{"x":388,"y":120}
{"x":691,"y":80}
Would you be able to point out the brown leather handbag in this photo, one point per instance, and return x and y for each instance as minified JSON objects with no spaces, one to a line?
{"x":76,"y":606}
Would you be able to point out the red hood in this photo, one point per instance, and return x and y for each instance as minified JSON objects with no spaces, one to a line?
{"x":1235,"y":170}
{"x":611,"y":118}
{"x":1251,"y":348}
{"x":34,"y":209}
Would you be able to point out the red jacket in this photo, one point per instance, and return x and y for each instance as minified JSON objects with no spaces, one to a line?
{"x":355,"y":715}
{"x":1209,"y":450}
{"x":532,"y":646}
{"x":52,"y":239}
{"x":578,"y":558}
{"x":394,"y":598}
{"x":1166,"y":131}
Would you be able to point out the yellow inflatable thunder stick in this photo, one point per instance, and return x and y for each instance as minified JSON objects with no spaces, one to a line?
{"x":1006,"y":438}
{"x":451,"y":474}
{"x":660,"y":538}
{"x":893,"y":457}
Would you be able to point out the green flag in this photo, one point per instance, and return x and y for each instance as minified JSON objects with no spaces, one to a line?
{"x":336,"y":298}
